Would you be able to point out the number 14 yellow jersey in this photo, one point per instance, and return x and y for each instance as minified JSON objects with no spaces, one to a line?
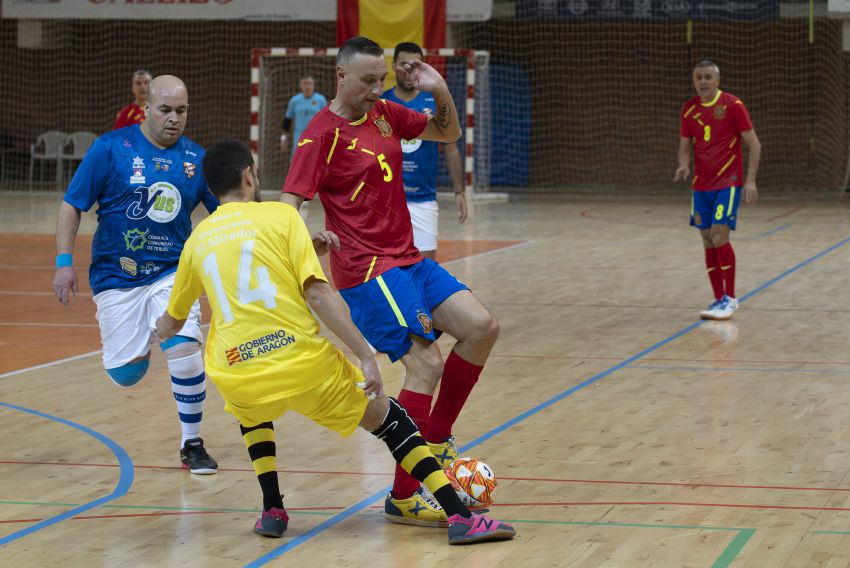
{"x":252,"y":260}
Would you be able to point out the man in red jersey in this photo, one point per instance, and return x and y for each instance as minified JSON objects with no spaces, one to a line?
{"x":714,"y":123}
{"x":351,"y":155}
{"x":134,"y":113}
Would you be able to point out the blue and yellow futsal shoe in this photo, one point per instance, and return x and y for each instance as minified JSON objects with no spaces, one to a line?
{"x":415,"y":510}
{"x":445,"y":451}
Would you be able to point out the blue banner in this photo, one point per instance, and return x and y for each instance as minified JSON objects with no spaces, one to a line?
{"x":649,"y":9}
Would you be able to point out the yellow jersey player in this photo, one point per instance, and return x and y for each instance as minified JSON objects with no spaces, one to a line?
{"x":259,"y":269}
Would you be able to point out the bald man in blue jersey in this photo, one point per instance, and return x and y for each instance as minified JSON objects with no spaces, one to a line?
{"x":146,"y":180}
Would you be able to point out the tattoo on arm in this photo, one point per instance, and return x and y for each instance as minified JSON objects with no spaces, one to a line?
{"x":444,"y":115}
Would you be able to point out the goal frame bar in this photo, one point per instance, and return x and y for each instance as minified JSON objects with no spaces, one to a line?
{"x":258,"y":53}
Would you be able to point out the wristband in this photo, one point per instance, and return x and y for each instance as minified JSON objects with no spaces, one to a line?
{"x":63,"y":260}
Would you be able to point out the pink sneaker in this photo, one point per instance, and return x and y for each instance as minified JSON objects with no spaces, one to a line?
{"x":477,"y":528}
{"x":273,"y":523}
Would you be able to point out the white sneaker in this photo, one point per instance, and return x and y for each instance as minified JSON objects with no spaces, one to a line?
{"x":727,"y":307}
{"x":708,"y":313}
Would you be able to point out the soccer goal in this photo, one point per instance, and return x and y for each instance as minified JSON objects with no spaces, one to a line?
{"x":275,"y":73}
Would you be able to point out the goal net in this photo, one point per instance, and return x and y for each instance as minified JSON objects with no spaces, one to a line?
{"x":275,"y":73}
{"x":567,"y":95}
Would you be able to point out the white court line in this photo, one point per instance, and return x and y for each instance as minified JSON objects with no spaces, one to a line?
{"x":77,"y":357}
{"x":50,"y":364}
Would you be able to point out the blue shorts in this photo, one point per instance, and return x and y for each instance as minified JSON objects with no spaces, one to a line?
{"x":719,"y":207}
{"x":389,"y":307}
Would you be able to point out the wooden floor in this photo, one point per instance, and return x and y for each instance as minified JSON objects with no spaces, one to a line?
{"x":624,"y":432}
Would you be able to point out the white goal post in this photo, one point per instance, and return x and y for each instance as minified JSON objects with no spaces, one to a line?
{"x":264,"y":112}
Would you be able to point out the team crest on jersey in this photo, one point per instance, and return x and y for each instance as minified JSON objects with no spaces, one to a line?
{"x":720,"y":112}
{"x":384,"y":127}
{"x":189,"y":169}
{"x":425,"y":322}
{"x":160,"y":202}
{"x":128,"y":265}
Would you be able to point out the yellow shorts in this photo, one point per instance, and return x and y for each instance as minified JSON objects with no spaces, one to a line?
{"x":337,"y":403}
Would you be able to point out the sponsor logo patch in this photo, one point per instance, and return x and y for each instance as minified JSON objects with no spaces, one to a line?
{"x":259,"y":346}
{"x":160,"y":202}
{"x":134,"y":239}
{"x":128,"y":265}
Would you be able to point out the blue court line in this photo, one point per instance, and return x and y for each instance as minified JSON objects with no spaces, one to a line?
{"x":742,"y":369}
{"x":124,"y":482}
{"x":354,"y":509}
{"x":776,"y":230}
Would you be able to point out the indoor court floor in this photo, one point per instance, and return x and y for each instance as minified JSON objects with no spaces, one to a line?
{"x":623,"y":430}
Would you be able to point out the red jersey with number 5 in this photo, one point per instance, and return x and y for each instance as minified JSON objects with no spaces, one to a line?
{"x":356,"y":168}
{"x":715,"y":129}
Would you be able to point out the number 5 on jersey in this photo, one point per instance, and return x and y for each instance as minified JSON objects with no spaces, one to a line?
{"x":265,"y":291}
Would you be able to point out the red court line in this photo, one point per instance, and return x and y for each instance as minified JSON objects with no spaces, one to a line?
{"x":672,"y":503}
{"x":789,"y":212}
{"x":503,"y":478}
{"x":672,"y":359}
{"x":499,"y":505}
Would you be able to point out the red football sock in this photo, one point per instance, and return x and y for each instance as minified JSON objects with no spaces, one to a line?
{"x":418,"y":407}
{"x":715,"y":275}
{"x":459,"y":377}
{"x":726,"y":258}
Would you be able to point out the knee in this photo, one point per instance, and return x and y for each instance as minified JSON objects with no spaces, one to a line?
{"x":486,"y":329}
{"x":179,"y":346}
{"x":129,"y":374}
{"x":719,"y":239}
{"x":719,"y":235}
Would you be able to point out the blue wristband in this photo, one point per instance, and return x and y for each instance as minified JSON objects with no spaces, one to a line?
{"x":63,"y":260}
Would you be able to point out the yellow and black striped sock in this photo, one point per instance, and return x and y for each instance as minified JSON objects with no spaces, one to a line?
{"x":263,"y":451}
{"x":410,"y":450}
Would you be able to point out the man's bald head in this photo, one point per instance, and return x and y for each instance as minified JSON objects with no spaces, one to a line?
{"x":167,"y":86}
{"x":166,"y":110}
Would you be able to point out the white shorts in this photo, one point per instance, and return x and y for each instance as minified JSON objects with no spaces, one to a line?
{"x":127,"y":319}
{"x":425,"y":216}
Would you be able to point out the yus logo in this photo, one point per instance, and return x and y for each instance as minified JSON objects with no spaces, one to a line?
{"x":160,"y":202}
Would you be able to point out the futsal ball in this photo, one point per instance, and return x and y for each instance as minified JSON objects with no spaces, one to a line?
{"x":473,"y":481}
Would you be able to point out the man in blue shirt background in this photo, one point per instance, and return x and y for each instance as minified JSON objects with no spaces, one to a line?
{"x":420,"y":161}
{"x":146,"y":180}
{"x":301,"y":108}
